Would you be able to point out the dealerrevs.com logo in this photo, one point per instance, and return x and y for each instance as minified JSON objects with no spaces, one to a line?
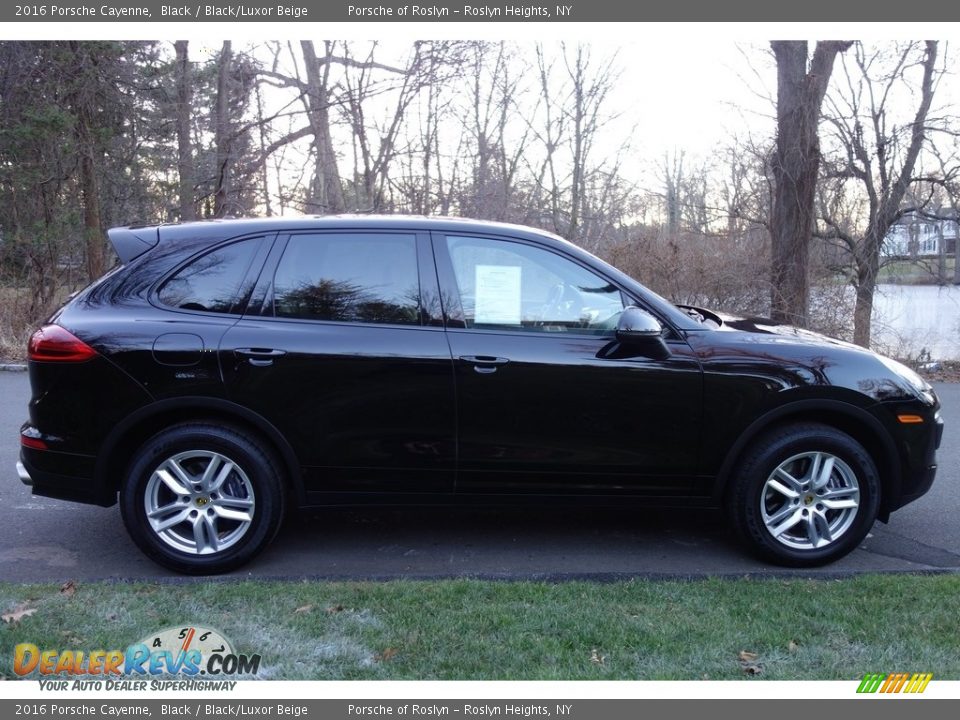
{"x":187,"y":652}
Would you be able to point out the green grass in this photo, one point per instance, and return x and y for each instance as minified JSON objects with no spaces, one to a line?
{"x":923,"y":271}
{"x":467,"y":629}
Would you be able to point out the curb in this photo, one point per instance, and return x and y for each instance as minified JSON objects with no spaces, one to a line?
{"x":13,"y":367}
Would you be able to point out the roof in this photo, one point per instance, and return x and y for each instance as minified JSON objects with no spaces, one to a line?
{"x":244,"y":225}
{"x":134,"y":240}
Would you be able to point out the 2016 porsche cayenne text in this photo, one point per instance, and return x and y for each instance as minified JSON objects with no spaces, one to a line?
{"x":226,"y":370}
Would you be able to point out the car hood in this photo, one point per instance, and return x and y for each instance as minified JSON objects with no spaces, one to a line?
{"x":797,"y":357}
{"x":789,"y":333}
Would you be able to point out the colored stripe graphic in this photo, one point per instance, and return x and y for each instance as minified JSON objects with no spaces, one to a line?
{"x":871,"y":682}
{"x":894,"y":682}
{"x":919,"y":682}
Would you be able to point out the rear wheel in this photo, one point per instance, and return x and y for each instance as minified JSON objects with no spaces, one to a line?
{"x":202,"y":498}
{"x":805,"y":495}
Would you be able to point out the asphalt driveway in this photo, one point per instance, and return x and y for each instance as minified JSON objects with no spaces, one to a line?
{"x":50,"y":540}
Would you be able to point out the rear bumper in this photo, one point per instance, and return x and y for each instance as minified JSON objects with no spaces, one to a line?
{"x":64,"y":476}
{"x":23,"y":474}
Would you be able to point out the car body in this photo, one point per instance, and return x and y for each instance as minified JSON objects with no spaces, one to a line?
{"x":228,"y":369}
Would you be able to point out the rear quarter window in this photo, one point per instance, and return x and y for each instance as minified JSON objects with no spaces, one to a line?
{"x":212,"y":282}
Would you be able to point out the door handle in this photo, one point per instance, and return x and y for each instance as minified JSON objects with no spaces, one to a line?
{"x":484,"y":364}
{"x":259,"y":357}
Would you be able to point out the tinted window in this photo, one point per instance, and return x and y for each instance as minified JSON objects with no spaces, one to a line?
{"x":212,"y":281}
{"x":349,"y":278}
{"x":512,"y":286}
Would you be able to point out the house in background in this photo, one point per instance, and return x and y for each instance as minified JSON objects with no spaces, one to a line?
{"x":918,"y":235}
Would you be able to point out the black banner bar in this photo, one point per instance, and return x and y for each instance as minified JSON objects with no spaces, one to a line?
{"x":213,"y":708}
{"x":481,"y":11}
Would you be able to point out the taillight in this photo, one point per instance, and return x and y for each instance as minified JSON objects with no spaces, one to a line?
{"x":35,"y":443}
{"x":52,"y":343}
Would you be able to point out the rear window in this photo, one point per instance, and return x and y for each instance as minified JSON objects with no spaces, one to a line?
{"x":212,"y":282}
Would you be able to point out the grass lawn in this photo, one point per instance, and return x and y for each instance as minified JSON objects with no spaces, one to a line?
{"x":468,"y":629}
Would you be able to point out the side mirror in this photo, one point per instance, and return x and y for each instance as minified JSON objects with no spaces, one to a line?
{"x":636,"y":325}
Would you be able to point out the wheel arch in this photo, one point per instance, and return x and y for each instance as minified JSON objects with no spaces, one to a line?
{"x":850,"y":419}
{"x":118,"y":449}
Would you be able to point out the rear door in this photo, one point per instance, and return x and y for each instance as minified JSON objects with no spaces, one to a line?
{"x":343,"y":350}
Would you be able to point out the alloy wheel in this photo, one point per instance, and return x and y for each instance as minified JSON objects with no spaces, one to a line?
{"x":199,"y":502}
{"x":810,"y":500}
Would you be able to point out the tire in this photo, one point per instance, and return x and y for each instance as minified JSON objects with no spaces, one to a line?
{"x":804,"y":495}
{"x":194,"y":519}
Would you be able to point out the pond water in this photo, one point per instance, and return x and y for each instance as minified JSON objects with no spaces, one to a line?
{"x":910,"y":318}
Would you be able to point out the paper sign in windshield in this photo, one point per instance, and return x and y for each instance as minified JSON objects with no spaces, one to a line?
{"x":498,"y":295}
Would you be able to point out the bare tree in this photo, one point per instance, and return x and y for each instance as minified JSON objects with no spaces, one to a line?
{"x":672,"y":169}
{"x":801,"y":85}
{"x":326,"y":191}
{"x":574,"y":103}
{"x":376,"y":137}
{"x":876,"y":158}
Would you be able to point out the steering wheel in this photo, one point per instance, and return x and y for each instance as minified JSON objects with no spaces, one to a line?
{"x":563,"y":302}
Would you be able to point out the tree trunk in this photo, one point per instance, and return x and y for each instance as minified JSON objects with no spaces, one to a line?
{"x":796,"y":163}
{"x":956,"y":249}
{"x":263,"y":170}
{"x":224,"y":160}
{"x":868,"y":268}
{"x":90,"y":190}
{"x":185,"y":165}
{"x":941,"y":253}
{"x":326,"y":191}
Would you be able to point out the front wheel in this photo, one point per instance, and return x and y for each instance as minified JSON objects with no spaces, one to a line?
{"x":201,"y":498}
{"x":805,"y":495}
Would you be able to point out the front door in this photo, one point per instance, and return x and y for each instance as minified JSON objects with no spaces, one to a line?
{"x":547,"y":399}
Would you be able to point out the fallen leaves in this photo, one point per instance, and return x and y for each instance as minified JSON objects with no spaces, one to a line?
{"x":748,"y":662}
{"x":17,"y":614}
{"x":386,"y":655}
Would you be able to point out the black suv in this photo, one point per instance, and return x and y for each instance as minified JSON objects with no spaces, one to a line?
{"x":228,"y":369}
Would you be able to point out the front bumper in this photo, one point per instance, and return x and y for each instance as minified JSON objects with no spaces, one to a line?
{"x":918,"y":445}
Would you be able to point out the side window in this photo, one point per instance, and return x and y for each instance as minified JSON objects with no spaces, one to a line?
{"x":370,"y":278}
{"x":211,"y":283}
{"x":511,"y":286}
